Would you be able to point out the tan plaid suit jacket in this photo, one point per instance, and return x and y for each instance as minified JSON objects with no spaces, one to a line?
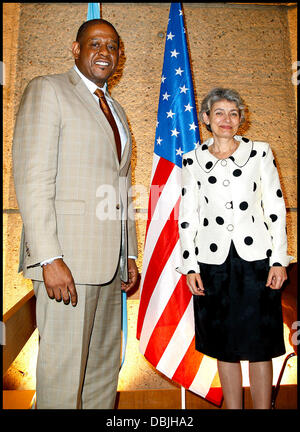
{"x":70,"y":187}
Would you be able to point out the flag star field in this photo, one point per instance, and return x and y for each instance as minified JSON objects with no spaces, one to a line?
{"x":177,"y":129}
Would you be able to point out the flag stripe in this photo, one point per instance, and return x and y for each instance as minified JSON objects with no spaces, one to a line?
{"x":159,"y":300}
{"x":167,"y":202}
{"x":161,"y":253}
{"x":156,"y":160}
{"x":215,"y":395}
{"x":202,"y":380}
{"x":179,"y":344}
{"x":160,"y":178}
{"x":189,"y":366}
{"x":168,"y":322}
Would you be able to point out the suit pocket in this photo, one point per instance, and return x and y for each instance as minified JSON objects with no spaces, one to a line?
{"x":70,"y":207}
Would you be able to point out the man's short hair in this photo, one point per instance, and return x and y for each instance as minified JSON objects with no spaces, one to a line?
{"x":89,"y":23}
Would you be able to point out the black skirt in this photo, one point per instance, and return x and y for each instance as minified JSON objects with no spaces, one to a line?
{"x":239,"y":318}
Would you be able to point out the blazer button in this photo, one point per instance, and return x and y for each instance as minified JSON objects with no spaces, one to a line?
{"x":228,"y":205}
{"x":226,"y":183}
{"x":118,"y":206}
{"x":230,"y":227}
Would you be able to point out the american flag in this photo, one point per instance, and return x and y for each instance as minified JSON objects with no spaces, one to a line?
{"x":165,"y":325}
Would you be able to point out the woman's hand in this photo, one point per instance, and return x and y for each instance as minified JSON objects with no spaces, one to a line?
{"x":277,"y":276}
{"x":195,"y":284}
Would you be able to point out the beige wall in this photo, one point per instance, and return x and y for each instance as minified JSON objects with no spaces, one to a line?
{"x":248,"y":47}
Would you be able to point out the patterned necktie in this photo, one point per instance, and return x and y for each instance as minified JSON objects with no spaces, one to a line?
{"x":108,"y":114}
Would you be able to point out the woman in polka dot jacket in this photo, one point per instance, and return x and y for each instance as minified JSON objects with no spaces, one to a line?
{"x":232,"y":227}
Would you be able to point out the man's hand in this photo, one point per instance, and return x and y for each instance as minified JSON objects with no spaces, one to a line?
{"x":277,"y":276}
{"x":59,"y":282}
{"x":132,"y":275}
{"x":195,"y":284}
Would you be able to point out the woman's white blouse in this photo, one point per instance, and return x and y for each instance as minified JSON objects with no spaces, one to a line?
{"x":235,"y":199}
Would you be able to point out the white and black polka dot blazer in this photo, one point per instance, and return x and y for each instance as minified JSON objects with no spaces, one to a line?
{"x":235,"y":199}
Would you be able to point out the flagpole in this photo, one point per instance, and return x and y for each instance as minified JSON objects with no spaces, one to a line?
{"x":95,"y":12}
{"x":182,"y":397}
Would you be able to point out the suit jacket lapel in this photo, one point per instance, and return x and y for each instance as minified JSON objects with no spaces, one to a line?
{"x":86,"y":97}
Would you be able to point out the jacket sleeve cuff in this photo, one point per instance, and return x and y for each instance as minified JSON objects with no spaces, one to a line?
{"x":188,"y":268}
{"x":280,"y":260}
{"x":50,"y":260}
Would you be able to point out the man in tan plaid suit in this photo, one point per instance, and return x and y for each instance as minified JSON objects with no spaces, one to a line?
{"x":78,"y":241}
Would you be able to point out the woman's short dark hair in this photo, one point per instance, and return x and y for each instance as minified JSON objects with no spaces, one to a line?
{"x":218,"y":94}
{"x":89,"y":23}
